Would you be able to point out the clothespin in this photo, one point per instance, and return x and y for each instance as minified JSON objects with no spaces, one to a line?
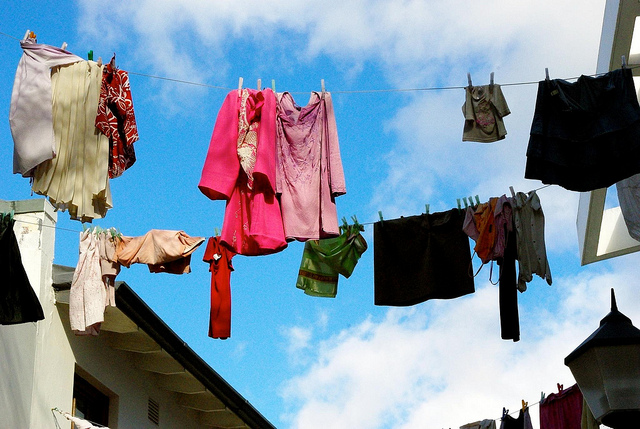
{"x":380,"y":214}
{"x":113,"y":61}
{"x":322,"y":85}
{"x":546,"y":73}
{"x":273,"y":85}
{"x":513,"y":193}
{"x":64,"y":46}
{"x":542,"y":397}
{"x":560,"y":387}
{"x":504,"y":412}
{"x":426,"y":208}
{"x":345,"y":225}
{"x":469,"y":80}
{"x":477,"y":200}
{"x":240,"y":84}
{"x":524,"y":405}
{"x":491,"y":79}
{"x":356,"y":224}
{"x":259,"y":84}
{"x":216,"y":231}
{"x":466,"y":205}
{"x":624,"y":62}
{"x":459,"y":208}
{"x":26,"y":35}
{"x":90,"y":55}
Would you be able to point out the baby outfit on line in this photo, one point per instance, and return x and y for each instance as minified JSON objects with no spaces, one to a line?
{"x":323,"y":260}
{"x":484,"y":109}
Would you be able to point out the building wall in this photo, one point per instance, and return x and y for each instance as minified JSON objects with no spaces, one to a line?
{"x":33,"y":377}
{"x":38,"y":360}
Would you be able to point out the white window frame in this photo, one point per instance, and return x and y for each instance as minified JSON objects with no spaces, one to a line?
{"x":602,"y":234}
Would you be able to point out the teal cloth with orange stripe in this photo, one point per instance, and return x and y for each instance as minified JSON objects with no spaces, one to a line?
{"x":323,"y":260}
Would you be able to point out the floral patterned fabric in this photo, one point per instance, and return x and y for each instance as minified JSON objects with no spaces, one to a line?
{"x":115,"y":119}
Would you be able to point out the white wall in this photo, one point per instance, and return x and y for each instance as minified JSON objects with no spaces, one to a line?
{"x":38,"y":360}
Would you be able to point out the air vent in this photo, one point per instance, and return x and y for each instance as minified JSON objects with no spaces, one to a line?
{"x":154,"y":411}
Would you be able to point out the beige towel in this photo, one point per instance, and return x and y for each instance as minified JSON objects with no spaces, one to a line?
{"x":162,"y":250}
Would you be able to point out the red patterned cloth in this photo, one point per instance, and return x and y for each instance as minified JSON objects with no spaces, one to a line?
{"x":115,"y":119}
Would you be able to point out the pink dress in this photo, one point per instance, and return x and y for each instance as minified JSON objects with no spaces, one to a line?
{"x":309,"y":174}
{"x":240,"y":168}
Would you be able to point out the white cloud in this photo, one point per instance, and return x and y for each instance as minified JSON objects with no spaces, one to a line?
{"x":442,"y":363}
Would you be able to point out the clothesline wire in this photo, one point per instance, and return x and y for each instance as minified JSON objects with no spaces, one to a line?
{"x":355,"y":91}
{"x":533,"y":190}
{"x":77,"y":232}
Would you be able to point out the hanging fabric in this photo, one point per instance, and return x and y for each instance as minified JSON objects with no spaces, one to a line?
{"x":77,"y":178}
{"x":30,"y":112}
{"x":323,"y":260}
{"x":18,"y":301}
{"x":522,"y":422}
{"x":164,"y":251}
{"x":116,"y":119}
{"x":585,"y":135}
{"x":240,"y":168}
{"x":562,"y":410}
{"x":529,"y":225}
{"x":309,"y":168}
{"x":484,"y":110}
{"x":92,"y":287}
{"x":423,"y":257}
{"x":219,"y":259}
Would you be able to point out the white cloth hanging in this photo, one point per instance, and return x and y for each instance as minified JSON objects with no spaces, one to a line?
{"x":30,"y":113}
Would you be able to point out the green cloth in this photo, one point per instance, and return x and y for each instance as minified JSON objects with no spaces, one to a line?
{"x":323,"y":260}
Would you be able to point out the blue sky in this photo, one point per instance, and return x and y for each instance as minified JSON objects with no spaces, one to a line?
{"x":309,"y":362}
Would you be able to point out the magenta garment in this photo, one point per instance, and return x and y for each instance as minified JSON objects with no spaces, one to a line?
{"x":30,"y":113}
{"x":309,"y":174}
{"x":253,"y":220}
{"x":562,"y":410}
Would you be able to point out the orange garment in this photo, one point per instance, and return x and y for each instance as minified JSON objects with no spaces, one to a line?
{"x":485,"y":222}
{"x":162,"y":250}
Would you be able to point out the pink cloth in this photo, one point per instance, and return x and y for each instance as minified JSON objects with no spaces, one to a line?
{"x":562,"y":410}
{"x":309,"y":174}
{"x":253,"y":220}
